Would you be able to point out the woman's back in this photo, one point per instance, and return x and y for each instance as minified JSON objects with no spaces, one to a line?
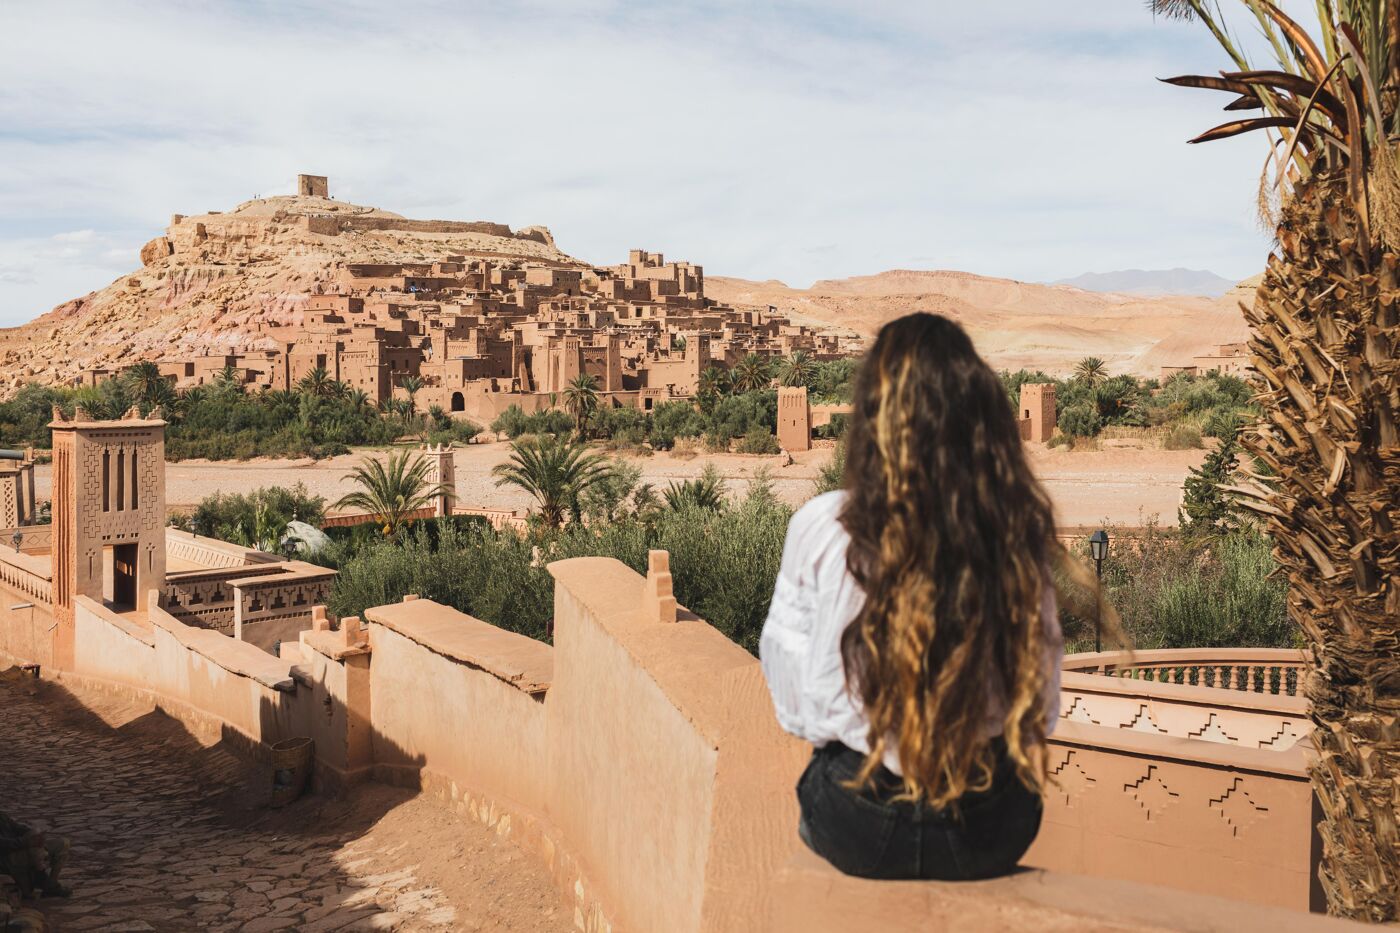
{"x":913,"y":636}
{"x":814,"y":601}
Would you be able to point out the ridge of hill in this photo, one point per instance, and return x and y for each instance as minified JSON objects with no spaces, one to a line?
{"x":1153,"y":282}
{"x":1015,"y":324}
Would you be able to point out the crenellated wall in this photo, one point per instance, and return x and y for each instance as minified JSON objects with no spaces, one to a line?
{"x":639,"y":760}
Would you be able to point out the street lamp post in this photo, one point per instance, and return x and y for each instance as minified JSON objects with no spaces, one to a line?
{"x":1098,"y":550}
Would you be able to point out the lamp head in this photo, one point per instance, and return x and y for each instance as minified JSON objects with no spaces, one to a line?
{"x":1098,"y":545}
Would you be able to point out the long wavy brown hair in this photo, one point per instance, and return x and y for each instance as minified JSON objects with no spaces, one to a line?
{"x":952,"y":541}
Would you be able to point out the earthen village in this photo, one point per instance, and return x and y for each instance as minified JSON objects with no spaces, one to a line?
{"x":484,"y":334}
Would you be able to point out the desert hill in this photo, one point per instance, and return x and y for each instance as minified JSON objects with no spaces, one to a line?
{"x":1015,"y":324}
{"x":217,"y":282}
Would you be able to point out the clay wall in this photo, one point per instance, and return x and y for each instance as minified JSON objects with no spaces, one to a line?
{"x":680,"y":815}
{"x":484,"y":686}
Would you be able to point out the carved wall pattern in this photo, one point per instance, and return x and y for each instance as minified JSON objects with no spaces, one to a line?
{"x":1216,"y":826}
{"x":1228,"y":726}
{"x":36,"y":537}
{"x":114,"y":525}
{"x":264,"y":602}
{"x":9,"y":499}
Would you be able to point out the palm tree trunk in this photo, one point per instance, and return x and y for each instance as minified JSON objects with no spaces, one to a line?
{"x":1325,"y":340}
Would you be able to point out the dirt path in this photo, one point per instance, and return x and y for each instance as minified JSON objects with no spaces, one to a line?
{"x":1123,"y":486}
{"x":168,"y":835}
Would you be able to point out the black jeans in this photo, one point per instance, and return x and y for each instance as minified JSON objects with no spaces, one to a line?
{"x":868,"y":833}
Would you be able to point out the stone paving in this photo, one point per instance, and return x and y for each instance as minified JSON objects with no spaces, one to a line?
{"x":170,"y":835}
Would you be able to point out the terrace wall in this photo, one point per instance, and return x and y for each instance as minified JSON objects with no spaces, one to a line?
{"x":641,"y":761}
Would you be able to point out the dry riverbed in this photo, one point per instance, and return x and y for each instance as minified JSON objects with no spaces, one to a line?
{"x":1120,"y":485}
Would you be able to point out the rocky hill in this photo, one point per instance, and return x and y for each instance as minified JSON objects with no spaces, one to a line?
{"x":217,"y":281}
{"x":1015,"y":324}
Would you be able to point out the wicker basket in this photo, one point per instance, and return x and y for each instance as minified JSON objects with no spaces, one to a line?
{"x":291,"y":768}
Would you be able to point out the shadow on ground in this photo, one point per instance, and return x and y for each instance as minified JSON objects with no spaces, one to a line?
{"x":171,"y":834}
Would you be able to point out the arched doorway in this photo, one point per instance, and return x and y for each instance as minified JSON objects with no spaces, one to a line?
{"x":458,"y":403}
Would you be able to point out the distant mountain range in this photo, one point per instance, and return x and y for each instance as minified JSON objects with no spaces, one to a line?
{"x":1014,"y":324}
{"x":1153,"y":282}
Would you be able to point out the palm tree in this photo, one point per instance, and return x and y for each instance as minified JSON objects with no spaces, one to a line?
{"x":581,"y":399}
{"x":143,"y":380}
{"x":411,"y":385}
{"x":1091,"y":371}
{"x":358,"y":399}
{"x":189,"y":398}
{"x":704,"y":492}
{"x":798,"y":369}
{"x":391,"y":492}
{"x":714,"y":381}
{"x":317,"y":382}
{"x":1325,"y":333}
{"x":751,"y":373}
{"x":338,"y":389}
{"x":228,"y":380}
{"x":556,"y":470}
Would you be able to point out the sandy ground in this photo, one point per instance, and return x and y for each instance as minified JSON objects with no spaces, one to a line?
{"x":1122,"y":485}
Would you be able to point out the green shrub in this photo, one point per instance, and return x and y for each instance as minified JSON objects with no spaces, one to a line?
{"x":454,"y":432}
{"x":1177,"y":591}
{"x":758,"y":440}
{"x":724,"y":562}
{"x":1182,"y":437}
{"x":257,"y":519}
{"x":831,"y":476}
{"x":1081,"y":420}
{"x":673,"y":420}
{"x":513,"y":422}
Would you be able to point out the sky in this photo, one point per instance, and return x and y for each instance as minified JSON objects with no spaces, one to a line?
{"x":794,"y":141}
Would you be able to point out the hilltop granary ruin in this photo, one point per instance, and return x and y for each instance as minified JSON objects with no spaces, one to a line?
{"x":638,"y":757}
{"x":482,"y":333}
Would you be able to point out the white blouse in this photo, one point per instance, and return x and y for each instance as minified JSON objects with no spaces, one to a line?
{"x":814,"y":600}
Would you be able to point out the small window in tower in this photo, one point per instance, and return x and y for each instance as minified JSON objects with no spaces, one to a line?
{"x":135,"y":483}
{"x":121,"y":479}
{"x":106,"y":490}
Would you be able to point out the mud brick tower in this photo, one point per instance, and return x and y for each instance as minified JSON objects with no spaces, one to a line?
{"x":794,"y":419}
{"x":108,"y":515}
{"x":1038,"y":420}
{"x":442,"y":472}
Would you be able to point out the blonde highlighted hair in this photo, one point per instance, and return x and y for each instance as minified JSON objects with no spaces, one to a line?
{"x":953,"y":542}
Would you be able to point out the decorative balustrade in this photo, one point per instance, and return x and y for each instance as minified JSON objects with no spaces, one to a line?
{"x":1277,"y":671}
{"x":27,"y":574}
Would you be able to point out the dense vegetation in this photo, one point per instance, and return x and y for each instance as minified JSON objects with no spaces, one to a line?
{"x":1211,"y":583}
{"x":732,"y":405}
{"x":1186,"y":408}
{"x":724,"y":557}
{"x":220,"y":421}
{"x":258,"y":519}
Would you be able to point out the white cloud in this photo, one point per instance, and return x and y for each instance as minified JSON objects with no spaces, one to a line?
{"x":764,"y":140}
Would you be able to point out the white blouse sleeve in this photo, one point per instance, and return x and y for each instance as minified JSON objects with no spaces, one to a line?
{"x":1054,"y":657}
{"x":786,"y":644}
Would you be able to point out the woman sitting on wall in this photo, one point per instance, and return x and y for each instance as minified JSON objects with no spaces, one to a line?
{"x":913,"y":636}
